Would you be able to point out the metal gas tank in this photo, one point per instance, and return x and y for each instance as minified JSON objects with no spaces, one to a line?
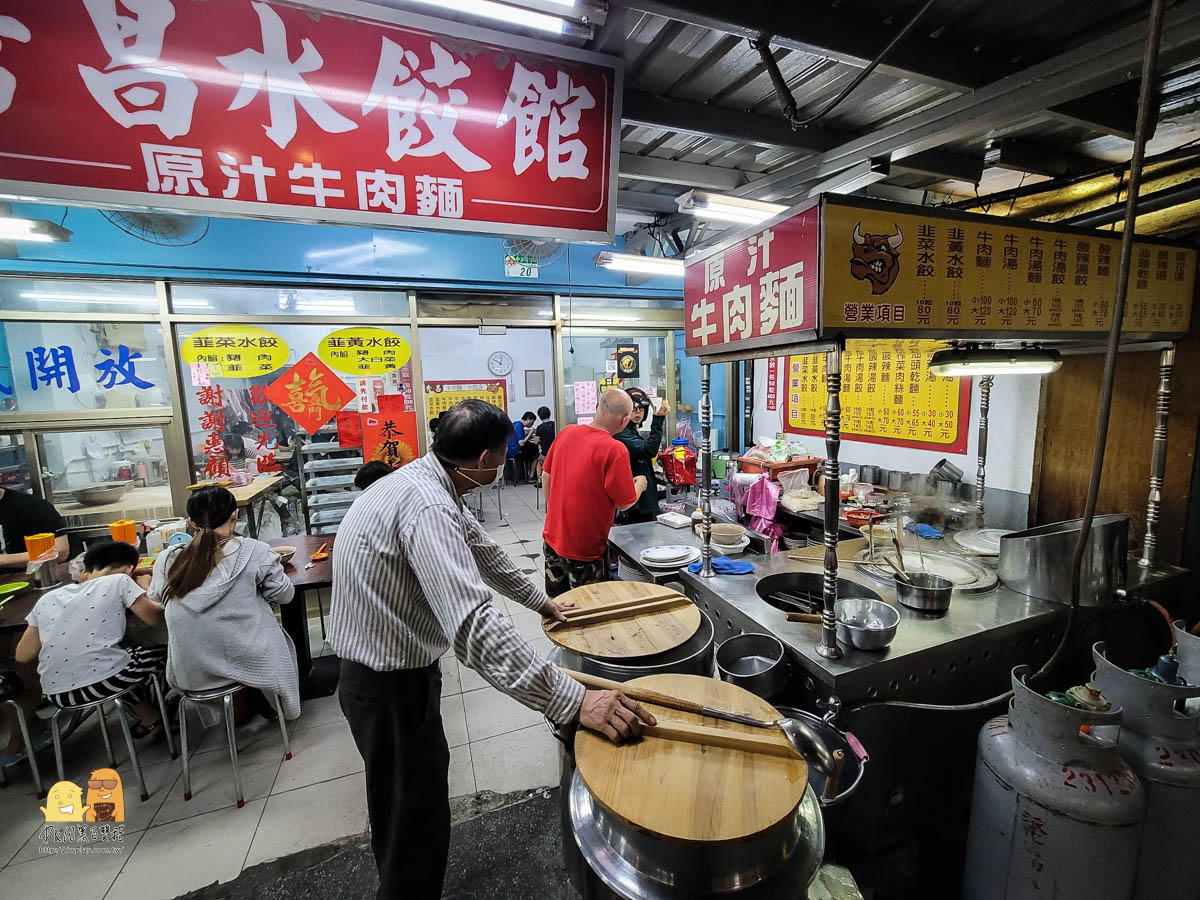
{"x":1161,"y":742}
{"x":1055,"y":812}
{"x":1187,"y":649}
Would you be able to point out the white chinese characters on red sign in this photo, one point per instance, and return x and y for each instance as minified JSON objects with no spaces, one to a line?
{"x":762,"y":288}
{"x":197,"y":103}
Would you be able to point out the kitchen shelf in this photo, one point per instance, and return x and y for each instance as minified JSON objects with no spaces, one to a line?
{"x":328,"y":447}
{"x":327,"y":469}
{"x":329,"y":481}
{"x":332,"y":465}
{"x":327,"y":501}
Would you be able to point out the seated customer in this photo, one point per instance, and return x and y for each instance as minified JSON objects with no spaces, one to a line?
{"x":22,"y":515}
{"x":75,"y":633}
{"x":370,"y":473}
{"x":221,"y":629}
{"x":545,"y":433}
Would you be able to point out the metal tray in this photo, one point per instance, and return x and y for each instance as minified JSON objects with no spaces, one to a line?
{"x":975,"y":578}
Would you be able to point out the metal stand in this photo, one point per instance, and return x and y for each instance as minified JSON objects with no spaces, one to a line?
{"x":1158,"y":459}
{"x":833,"y":442}
{"x":985,"y":403}
{"x":706,"y":569}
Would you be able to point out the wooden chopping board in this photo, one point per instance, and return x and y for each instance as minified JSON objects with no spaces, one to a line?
{"x":846,"y":551}
{"x":691,"y":791}
{"x":642,"y":635}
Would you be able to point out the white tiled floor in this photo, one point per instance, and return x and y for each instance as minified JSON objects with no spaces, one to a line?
{"x":173,"y":846}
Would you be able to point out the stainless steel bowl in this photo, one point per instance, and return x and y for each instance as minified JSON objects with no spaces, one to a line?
{"x":754,"y":662}
{"x":99,"y":494}
{"x":866,"y":624}
{"x":930,"y":593}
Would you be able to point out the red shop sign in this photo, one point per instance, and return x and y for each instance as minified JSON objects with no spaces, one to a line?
{"x":240,"y":107}
{"x":756,"y":292}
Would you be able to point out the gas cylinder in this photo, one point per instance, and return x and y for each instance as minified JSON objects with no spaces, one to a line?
{"x":1161,"y":742}
{"x":1187,"y":650}
{"x":1055,"y":811}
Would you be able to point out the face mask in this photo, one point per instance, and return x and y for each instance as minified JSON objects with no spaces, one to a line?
{"x":482,"y":484}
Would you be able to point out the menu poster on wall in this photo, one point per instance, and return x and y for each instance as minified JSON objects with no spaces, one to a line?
{"x":887,"y":270}
{"x":390,"y":437}
{"x":585,"y":398}
{"x":364,"y":351}
{"x":310,"y":392}
{"x":274,"y":110}
{"x":773,"y":383}
{"x":441,"y":395}
{"x":888,"y":396}
{"x":235,"y":351}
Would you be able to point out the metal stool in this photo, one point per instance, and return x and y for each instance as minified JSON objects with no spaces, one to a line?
{"x":119,"y":703}
{"x":30,"y":752}
{"x":225,"y":695}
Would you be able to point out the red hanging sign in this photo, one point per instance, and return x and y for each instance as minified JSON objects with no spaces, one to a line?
{"x":773,"y":383}
{"x":241,"y":107}
{"x":390,"y":437}
{"x":760,"y":291}
{"x":349,"y":428}
{"x":310,"y":392}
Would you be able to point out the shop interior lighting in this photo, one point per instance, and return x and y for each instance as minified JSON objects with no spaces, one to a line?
{"x":647,"y":265}
{"x":513,"y":14}
{"x":42,"y":231}
{"x":724,"y":208}
{"x":603,"y":318}
{"x":53,"y":297}
{"x":971,"y":361}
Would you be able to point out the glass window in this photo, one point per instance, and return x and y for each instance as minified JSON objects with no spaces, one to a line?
{"x":629,"y":312}
{"x":589,"y":359}
{"x":95,"y":476}
{"x":485,"y":306}
{"x":276,"y":385}
{"x":14,"y":466}
{"x":77,"y":297}
{"x":202,"y":299}
{"x":85,"y":364}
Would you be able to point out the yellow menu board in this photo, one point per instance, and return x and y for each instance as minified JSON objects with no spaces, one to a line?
{"x":888,"y":396}
{"x":235,"y":351}
{"x":364,"y":351}
{"x":888,"y":270}
{"x":441,"y":395}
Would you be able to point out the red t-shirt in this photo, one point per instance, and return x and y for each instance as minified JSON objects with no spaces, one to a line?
{"x":589,"y":478}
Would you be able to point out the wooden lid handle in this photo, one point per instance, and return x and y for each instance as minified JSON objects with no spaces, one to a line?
{"x":770,"y":745}
{"x":810,"y":618}
{"x":643,"y":694}
{"x":831,"y":783}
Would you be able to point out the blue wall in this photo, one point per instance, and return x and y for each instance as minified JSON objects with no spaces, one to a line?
{"x":243,"y":249}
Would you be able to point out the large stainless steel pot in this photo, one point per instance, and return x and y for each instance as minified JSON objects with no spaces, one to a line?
{"x":693,"y":657}
{"x":636,"y":865}
{"x":831,"y":739}
{"x":1037,"y":561}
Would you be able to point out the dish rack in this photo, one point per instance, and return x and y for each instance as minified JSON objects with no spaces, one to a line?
{"x":327,"y":471}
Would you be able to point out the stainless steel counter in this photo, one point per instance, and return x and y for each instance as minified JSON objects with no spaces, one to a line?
{"x":932,"y":658}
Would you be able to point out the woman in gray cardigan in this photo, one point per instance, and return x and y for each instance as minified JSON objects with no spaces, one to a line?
{"x":220,"y":627}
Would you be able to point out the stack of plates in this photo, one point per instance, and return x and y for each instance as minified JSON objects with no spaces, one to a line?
{"x":670,"y":556}
{"x":980,"y":540}
{"x":793,"y":541}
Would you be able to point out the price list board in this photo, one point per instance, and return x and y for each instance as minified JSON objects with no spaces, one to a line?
{"x":888,"y":396}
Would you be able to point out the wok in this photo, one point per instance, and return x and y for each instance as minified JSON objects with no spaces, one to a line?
{"x":99,"y":494}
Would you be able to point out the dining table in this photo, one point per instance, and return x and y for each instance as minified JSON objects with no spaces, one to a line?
{"x":318,"y":677}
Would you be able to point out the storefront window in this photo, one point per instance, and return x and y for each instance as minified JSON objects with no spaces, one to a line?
{"x":85,"y":364}
{"x":618,"y":312}
{"x":591,"y":360}
{"x":87,"y":298}
{"x":203,"y":299}
{"x":14,"y":465}
{"x":101,"y":476}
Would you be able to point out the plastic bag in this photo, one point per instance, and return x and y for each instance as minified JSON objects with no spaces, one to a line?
{"x":796,"y":480}
{"x":762,"y":498}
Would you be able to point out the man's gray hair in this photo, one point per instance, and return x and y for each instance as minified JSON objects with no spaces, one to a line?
{"x":616,"y":403}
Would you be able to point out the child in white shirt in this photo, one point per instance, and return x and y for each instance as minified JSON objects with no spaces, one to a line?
{"x":75,"y":633}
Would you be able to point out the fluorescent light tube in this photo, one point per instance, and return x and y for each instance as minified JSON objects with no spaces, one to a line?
{"x":633,"y":262}
{"x":14,"y":228}
{"x":724,"y":208}
{"x":970,"y":362}
{"x":501,"y":12}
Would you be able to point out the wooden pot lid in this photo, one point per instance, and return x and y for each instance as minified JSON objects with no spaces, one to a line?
{"x":632,"y":636}
{"x":690,"y":791}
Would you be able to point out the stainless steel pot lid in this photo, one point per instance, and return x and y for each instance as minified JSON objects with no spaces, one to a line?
{"x":980,"y":540}
{"x":969,"y":576}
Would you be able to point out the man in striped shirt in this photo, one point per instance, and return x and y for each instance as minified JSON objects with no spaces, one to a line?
{"x":411,"y":572}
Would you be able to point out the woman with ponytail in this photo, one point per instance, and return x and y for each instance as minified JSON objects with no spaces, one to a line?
{"x":221,"y":628}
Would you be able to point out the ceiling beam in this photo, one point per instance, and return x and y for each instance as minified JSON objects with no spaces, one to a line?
{"x":855,"y":40}
{"x":724,"y":124}
{"x":941,"y":164}
{"x":647,"y":201}
{"x":669,"y":171}
{"x":1095,"y":66}
{"x":1020,"y":155}
{"x":865,"y":174}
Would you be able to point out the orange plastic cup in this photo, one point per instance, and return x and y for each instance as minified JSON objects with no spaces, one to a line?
{"x":124,"y":530}
{"x":37,"y":544}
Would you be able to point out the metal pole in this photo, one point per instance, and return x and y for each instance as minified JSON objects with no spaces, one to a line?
{"x":706,"y":569}
{"x":1158,"y":459}
{"x":985,"y":403}
{"x":833,"y":442}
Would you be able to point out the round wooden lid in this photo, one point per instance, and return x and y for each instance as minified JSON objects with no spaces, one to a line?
{"x":691,"y":791}
{"x":640,"y":635}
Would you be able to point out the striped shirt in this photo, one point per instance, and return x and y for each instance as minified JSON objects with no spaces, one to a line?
{"x":409,"y":576}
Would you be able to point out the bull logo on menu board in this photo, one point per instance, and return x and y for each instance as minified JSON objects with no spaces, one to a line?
{"x":876,"y":258}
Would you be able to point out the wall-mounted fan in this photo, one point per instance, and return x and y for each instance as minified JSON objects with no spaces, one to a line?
{"x":544,"y":251}
{"x":159,"y":228}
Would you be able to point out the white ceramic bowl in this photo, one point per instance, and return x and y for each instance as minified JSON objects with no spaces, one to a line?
{"x":285,"y":553}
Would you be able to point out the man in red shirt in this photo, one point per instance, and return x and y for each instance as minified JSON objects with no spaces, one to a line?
{"x":593,"y":480}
